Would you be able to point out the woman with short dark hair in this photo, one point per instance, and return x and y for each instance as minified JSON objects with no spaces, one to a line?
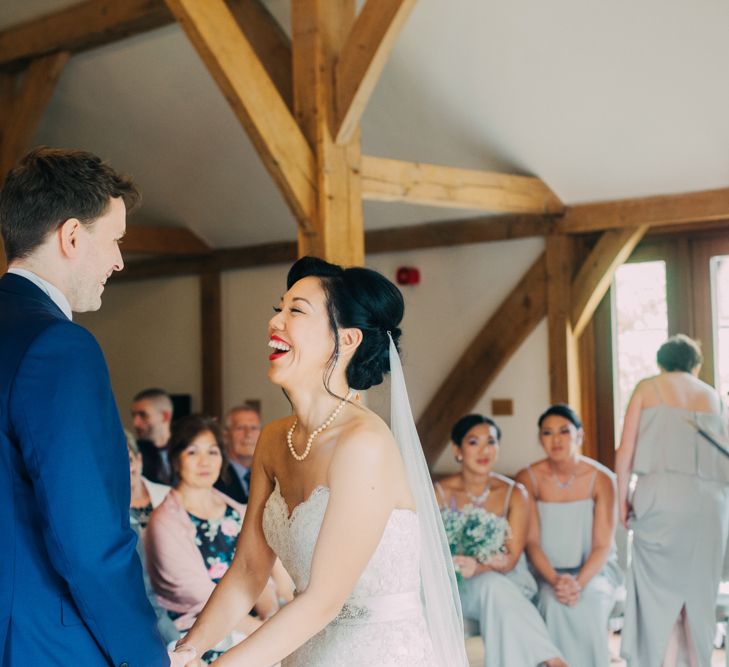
{"x":678,"y":511}
{"x":571,"y":542}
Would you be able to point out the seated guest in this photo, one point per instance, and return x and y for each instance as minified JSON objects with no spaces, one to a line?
{"x":242,"y":428}
{"x":151,"y":418}
{"x":571,"y":542}
{"x":146,"y":495}
{"x":496,"y":593}
{"x":190,"y":538}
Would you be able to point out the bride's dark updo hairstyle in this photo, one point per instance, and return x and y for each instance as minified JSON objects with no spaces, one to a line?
{"x":362,"y":299}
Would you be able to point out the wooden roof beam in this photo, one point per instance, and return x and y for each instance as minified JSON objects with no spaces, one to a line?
{"x":434,"y":185}
{"x":26,"y":106}
{"x":663,"y":210}
{"x":485,"y":356}
{"x":23,"y":99}
{"x":362,"y":59}
{"x":269,"y":41}
{"x":177,"y":241}
{"x":84,"y":26}
{"x":393,"y":239}
{"x":597,"y":272}
{"x":232,"y":61}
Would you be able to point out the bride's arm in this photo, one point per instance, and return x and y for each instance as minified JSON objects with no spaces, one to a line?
{"x":245,"y":580}
{"x":363,"y":492}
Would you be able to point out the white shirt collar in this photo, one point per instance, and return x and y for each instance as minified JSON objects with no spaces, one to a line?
{"x":58,"y":297}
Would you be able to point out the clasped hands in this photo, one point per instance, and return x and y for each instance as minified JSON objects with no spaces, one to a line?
{"x":567,"y":589}
{"x":468,"y":566}
{"x":184,"y":658}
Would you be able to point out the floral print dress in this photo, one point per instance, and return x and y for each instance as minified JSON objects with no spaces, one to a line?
{"x":216,"y":538}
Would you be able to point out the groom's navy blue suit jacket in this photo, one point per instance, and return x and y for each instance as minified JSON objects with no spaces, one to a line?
{"x":71,"y":588}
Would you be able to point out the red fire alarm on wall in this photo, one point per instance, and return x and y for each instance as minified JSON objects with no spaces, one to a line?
{"x":408,"y":275}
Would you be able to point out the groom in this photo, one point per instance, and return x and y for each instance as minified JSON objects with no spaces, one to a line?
{"x":71,"y":590}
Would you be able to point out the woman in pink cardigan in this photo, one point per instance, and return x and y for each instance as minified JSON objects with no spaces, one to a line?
{"x":190,"y":538}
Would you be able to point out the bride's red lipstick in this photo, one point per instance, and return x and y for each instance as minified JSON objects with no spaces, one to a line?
{"x":277,"y":353}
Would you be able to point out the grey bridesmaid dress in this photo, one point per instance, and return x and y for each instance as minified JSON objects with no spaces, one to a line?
{"x":580,"y":631}
{"x":510,"y":625}
{"x":680,"y":525}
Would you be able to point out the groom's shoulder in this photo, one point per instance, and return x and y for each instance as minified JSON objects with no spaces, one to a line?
{"x":65,"y":339}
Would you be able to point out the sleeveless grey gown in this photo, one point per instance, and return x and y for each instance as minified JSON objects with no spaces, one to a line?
{"x":510,"y":625}
{"x":680,"y":527}
{"x":580,"y":631}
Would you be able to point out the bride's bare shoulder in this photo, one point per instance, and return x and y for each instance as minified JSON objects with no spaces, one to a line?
{"x":367,"y":432}
{"x":274,"y":433}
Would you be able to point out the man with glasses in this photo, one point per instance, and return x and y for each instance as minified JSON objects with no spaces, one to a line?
{"x":242,"y":428}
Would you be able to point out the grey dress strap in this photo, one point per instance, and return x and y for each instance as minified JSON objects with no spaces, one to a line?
{"x":592,"y":483}
{"x":505,"y":511}
{"x":444,"y":498}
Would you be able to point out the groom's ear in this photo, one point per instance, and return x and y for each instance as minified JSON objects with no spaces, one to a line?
{"x":68,"y":236}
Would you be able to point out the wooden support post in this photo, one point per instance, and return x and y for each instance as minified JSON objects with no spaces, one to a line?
{"x":484,"y":357}
{"x":211,"y":322}
{"x":563,"y":356}
{"x":337,"y":231}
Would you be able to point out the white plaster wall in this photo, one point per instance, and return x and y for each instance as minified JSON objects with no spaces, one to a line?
{"x":248,"y":299}
{"x":150,"y":334}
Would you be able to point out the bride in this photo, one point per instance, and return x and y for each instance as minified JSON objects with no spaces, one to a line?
{"x":332,"y":496}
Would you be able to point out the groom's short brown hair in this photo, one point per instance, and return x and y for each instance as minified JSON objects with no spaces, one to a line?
{"x":50,"y":185}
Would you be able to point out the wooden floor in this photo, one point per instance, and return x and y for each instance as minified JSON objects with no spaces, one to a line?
{"x":718,"y":659}
{"x":474,"y":648}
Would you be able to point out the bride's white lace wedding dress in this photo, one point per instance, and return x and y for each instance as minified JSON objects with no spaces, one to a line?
{"x":382,"y":623}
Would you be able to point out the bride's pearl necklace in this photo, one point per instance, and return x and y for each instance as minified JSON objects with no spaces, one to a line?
{"x":315,"y":432}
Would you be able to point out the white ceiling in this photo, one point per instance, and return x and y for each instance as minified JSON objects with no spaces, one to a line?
{"x":602,"y":100}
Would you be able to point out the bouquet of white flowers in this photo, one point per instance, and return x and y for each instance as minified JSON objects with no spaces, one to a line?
{"x":472,"y":531}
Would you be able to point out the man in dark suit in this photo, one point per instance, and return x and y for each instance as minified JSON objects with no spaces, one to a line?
{"x":71,"y":588}
{"x":151,"y":418}
{"x":242,"y":428}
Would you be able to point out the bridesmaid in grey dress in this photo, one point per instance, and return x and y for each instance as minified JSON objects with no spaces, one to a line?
{"x":678,"y":512}
{"x":571,"y":542}
{"x":498,"y":593}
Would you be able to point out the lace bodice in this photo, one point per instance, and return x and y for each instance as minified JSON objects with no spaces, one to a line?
{"x":393,"y":568}
{"x":382,"y":622}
